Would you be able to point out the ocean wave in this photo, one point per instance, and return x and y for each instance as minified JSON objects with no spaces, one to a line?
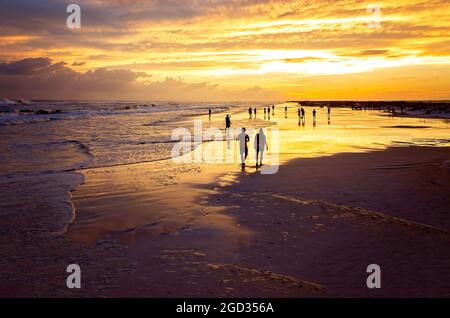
{"x":8,"y":102}
{"x":44,"y":158}
{"x":15,"y":113}
{"x":147,"y":142}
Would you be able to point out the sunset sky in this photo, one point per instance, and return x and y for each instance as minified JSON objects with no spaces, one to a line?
{"x":218,"y":50}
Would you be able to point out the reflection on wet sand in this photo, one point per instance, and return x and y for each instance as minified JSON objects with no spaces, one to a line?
{"x":175,"y":218}
{"x":130,"y":202}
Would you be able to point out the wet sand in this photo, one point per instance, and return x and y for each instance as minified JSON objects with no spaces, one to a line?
{"x":423,"y":114}
{"x":326,"y":219}
{"x":308,"y":231}
{"x":161,"y":229}
{"x":35,"y":251}
{"x":193,"y":250}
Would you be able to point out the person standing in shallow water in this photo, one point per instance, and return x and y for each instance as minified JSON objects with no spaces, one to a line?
{"x":254,"y":112}
{"x":227,"y":123}
{"x":314,"y":116}
{"x":243,"y":139}
{"x":260,"y":146}
{"x":250,"y":112}
{"x":209,"y":113}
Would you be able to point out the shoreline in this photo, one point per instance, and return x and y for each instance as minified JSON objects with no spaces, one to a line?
{"x":253,"y":252}
{"x":35,"y":244}
{"x":201,"y":230}
{"x":444,"y":116}
{"x":230,"y":249}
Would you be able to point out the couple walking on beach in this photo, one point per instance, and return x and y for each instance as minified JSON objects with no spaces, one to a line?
{"x":260,"y":145}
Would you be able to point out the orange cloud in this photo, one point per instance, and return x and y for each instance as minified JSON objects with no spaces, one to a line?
{"x":238,"y":44}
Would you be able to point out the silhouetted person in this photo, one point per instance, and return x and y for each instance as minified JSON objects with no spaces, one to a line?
{"x":299,"y":113}
{"x":314,"y":116}
{"x":265,"y":111}
{"x":268,"y":113}
{"x":254,"y":111}
{"x":250,"y":112}
{"x":273,"y":109}
{"x":243,"y":139}
{"x":260,"y":146}
{"x":285,"y":111}
{"x":227,"y":123}
{"x":209,"y":113}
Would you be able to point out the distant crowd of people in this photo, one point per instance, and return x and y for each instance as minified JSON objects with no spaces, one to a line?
{"x":270,"y":111}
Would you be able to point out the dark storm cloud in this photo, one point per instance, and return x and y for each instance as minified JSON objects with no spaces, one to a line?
{"x":28,"y":66}
{"x":40,"y":78}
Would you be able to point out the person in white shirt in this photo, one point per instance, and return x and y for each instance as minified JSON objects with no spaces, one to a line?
{"x":243,"y":139}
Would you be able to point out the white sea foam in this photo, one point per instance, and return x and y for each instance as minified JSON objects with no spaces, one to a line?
{"x":46,"y":136}
{"x":16,"y":113}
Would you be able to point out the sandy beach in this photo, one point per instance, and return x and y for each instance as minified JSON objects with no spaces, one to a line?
{"x":308,"y":231}
{"x":164,"y":229}
{"x":326,"y":219}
